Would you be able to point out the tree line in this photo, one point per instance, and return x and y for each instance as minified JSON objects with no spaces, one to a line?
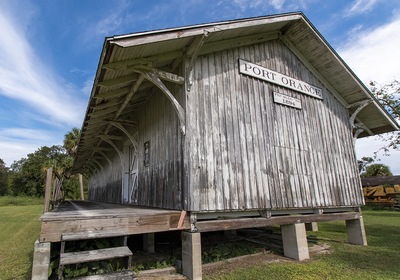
{"x":26,"y":177}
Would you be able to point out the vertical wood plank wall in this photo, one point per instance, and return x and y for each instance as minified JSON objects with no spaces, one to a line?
{"x":246,"y":152}
{"x":106,"y":186}
{"x":160,"y":183}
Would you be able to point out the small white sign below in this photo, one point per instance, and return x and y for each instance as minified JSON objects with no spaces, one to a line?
{"x":287,"y":100}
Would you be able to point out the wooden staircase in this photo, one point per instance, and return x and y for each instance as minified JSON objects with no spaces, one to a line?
{"x":96,"y":255}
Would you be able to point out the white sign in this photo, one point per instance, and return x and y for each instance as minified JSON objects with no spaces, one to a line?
{"x":271,"y":76}
{"x":287,"y":100}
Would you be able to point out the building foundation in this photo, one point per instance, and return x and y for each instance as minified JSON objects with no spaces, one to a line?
{"x":41,"y":260}
{"x":191,"y":255}
{"x":356,"y":232}
{"x":294,"y":240}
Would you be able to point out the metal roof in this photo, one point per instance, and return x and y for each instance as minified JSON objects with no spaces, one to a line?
{"x":116,"y":78}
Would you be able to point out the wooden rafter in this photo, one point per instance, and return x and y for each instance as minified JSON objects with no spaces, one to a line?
{"x":98,"y":163}
{"x":107,"y":139}
{"x":103,"y":112}
{"x":125,"y":64}
{"x":112,"y":93}
{"x":104,"y":155}
{"x":125,"y":122}
{"x":110,"y":137}
{"x":167,"y":76}
{"x":117,"y":81}
{"x":132,"y":91}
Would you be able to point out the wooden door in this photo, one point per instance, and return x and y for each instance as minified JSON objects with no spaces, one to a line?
{"x":133,"y":175}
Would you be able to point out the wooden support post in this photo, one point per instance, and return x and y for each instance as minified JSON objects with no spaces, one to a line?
{"x":148,"y":242}
{"x":294,"y":240}
{"x":41,"y":260}
{"x":312,"y":226}
{"x":47,"y":193}
{"x":356,"y":232}
{"x":81,"y":186}
{"x":191,"y":255}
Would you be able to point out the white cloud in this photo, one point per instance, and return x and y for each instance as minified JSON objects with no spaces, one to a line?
{"x":16,"y":143}
{"x":374,"y":54}
{"x":24,"y":77}
{"x":360,"y":7}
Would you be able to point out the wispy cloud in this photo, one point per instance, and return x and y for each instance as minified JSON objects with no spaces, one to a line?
{"x":371,"y":55}
{"x":24,"y":77}
{"x":360,"y":7}
{"x":16,"y":143}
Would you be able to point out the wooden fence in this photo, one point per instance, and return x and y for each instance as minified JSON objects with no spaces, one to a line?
{"x":54,"y":193}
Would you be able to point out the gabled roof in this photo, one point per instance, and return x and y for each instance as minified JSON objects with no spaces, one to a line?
{"x":116,"y":79}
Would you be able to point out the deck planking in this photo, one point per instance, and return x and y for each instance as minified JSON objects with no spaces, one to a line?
{"x":74,"y":217}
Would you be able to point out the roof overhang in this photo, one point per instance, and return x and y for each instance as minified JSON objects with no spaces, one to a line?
{"x":117,"y":78}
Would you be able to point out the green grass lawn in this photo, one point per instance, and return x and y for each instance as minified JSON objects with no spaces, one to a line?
{"x":379,"y":260}
{"x":19,"y":229}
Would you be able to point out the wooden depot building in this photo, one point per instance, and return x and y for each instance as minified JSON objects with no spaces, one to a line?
{"x":222,"y":126}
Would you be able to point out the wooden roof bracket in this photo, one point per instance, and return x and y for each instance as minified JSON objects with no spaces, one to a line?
{"x":96,"y":150}
{"x":94,"y":168}
{"x":153,"y":78}
{"x":98,"y":163}
{"x":107,"y":140}
{"x":123,"y":129}
{"x":358,"y":126}
{"x":192,"y":53}
{"x":361,"y":105}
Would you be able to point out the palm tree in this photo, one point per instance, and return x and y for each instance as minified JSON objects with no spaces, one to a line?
{"x":71,"y":141}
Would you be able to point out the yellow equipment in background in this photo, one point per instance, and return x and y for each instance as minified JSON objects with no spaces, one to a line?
{"x":387,"y":195}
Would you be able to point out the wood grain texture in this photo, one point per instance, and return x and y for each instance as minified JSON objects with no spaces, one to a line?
{"x":247,"y":152}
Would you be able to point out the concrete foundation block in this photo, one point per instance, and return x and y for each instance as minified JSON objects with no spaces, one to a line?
{"x":295,"y":241}
{"x":356,"y":232}
{"x":41,"y":260}
{"x":312,"y":226}
{"x":191,"y":255}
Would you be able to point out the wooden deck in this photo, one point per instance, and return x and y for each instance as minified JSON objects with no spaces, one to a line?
{"x":96,"y":219}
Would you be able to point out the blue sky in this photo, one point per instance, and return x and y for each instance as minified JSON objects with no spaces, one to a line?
{"x":49,"y":51}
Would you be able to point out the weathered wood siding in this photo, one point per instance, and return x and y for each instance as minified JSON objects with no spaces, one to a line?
{"x":106,"y":186}
{"x":246,"y":152}
{"x":160,"y":183}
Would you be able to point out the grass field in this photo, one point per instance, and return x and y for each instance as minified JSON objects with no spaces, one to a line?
{"x":379,"y":260}
{"x":19,"y":228}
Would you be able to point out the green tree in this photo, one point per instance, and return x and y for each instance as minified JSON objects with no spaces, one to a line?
{"x":3,"y":178}
{"x":27,"y":175}
{"x":71,"y":184}
{"x":363,"y":162}
{"x":71,"y":141}
{"x":389,"y":96}
{"x":376,"y":170}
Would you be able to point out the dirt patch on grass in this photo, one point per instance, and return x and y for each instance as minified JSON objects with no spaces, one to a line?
{"x":226,"y":266}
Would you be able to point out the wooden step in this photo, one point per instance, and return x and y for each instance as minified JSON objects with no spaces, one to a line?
{"x":94,"y":255}
{"x":119,"y":275}
{"x":92,"y":235}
